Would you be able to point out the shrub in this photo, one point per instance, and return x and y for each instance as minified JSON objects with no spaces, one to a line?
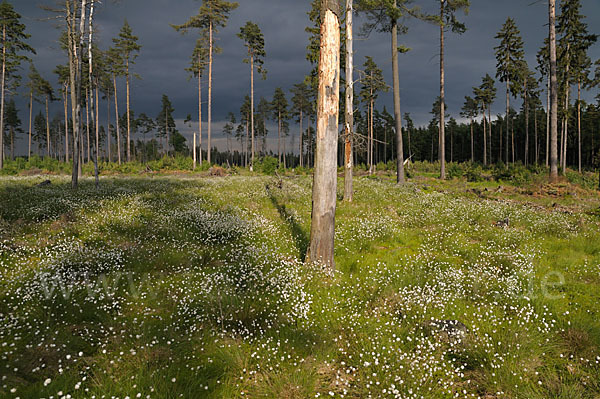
{"x":268,"y":165}
{"x":455,"y":171}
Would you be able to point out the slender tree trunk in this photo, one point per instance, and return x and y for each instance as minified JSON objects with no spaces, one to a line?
{"x":322,"y":231}
{"x":442,"y":149}
{"x":548,"y":123}
{"x":3,"y":83}
{"x":199,"y":113}
{"x":108,"y":138}
{"x":279,"y":137}
{"x":399,"y":146}
{"x":87,"y":121}
{"x":485,"y":146}
{"x":566,"y":124}
{"x":118,"y":130}
{"x":349,"y":117}
{"x":30,"y":120}
{"x":507,"y":116}
{"x":489,"y":107}
{"x":579,"y":125}
{"x":128,"y":116}
{"x":194,"y":152}
{"x":553,"y":93}
{"x":247,"y":140}
{"x":537,"y":144}
{"x":472,"y":145}
{"x":371,"y":132}
{"x":65,"y":105}
{"x":210,"y":62}
{"x":301,"y":139}
{"x":94,"y":107}
{"x":252,"y":111}
{"x":47,"y":129}
{"x":526,"y":126}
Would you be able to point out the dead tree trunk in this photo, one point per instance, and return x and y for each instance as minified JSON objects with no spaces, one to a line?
{"x":349,"y":117}
{"x":321,"y":248}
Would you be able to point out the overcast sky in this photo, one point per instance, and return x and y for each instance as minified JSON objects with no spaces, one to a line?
{"x":165,"y":53}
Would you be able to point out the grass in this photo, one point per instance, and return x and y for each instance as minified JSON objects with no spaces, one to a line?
{"x":187,"y":287}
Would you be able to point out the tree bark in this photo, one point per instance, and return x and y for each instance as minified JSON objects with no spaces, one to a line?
{"x":472,"y":147}
{"x":322,"y":232}
{"x":128,"y":116}
{"x":301,"y":139}
{"x":252,"y":112}
{"x":199,"y":111}
{"x":3,"y":83}
{"x":485,"y":146}
{"x":526,"y":125}
{"x":507,"y":115}
{"x":399,"y":146}
{"x":579,"y":124}
{"x":30,"y":120}
{"x":548,"y":123}
{"x":442,"y":138}
{"x":553,"y":93}
{"x":118,"y":130}
{"x":210,"y":62}
{"x":349,"y":117}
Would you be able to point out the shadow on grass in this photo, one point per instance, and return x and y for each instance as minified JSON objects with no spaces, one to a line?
{"x":300,"y":236}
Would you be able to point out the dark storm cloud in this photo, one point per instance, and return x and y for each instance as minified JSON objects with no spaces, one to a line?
{"x":165,"y":53}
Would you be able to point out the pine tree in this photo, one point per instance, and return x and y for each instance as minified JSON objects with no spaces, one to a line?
{"x":127,"y":46}
{"x":245,"y":116}
{"x":279,"y":107}
{"x":553,"y":91}
{"x":228,"y":129}
{"x":372,"y":84}
{"x":447,"y":20}
{"x":384,"y":15}
{"x":470,"y":110}
{"x":165,"y":124}
{"x":485,"y":95}
{"x":33,"y":84}
{"x":212,"y":16}
{"x":255,"y":44}
{"x":543,"y":67}
{"x":530,"y":90}
{"x":574,"y":43}
{"x":301,"y":106}
{"x":198,"y":64}
{"x":116,"y":69}
{"x":12,"y":125}
{"x":349,"y":105}
{"x":509,"y":57}
{"x":13,"y":46}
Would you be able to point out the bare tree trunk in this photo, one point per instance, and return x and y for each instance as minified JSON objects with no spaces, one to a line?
{"x":128,"y":116}
{"x":199,"y":111}
{"x":349,"y":117}
{"x":30,"y":119}
{"x":47,"y":129}
{"x":553,"y":93}
{"x":485,"y":154}
{"x":489,"y":107}
{"x":279,"y":136}
{"x":108,"y":138}
{"x":442,"y":138}
{"x":91,"y":87}
{"x":322,"y":231}
{"x":507,"y":116}
{"x":194,"y":152}
{"x":65,"y":101}
{"x":2,"y":96}
{"x":87,"y":121}
{"x":399,"y":146}
{"x":548,"y":123}
{"x":252,"y":111}
{"x":566,"y":125}
{"x":472,"y":146}
{"x":537,"y":144}
{"x":210,"y":62}
{"x":579,"y":124}
{"x":118,"y":130}
{"x":526,"y":125}
{"x":301,"y":140}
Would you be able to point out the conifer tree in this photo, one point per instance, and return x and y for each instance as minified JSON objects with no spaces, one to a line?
{"x":447,"y":20}
{"x":470,"y":110}
{"x":509,"y":57}
{"x":255,"y":44}
{"x":372,"y":84}
{"x":301,"y":106}
{"x":279,"y":107}
{"x":384,"y":15}
{"x":212,"y":15}
{"x":165,"y":124}
{"x":13,"y":41}
{"x":553,"y":91}
{"x":116,"y":69}
{"x":127,"y":46}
